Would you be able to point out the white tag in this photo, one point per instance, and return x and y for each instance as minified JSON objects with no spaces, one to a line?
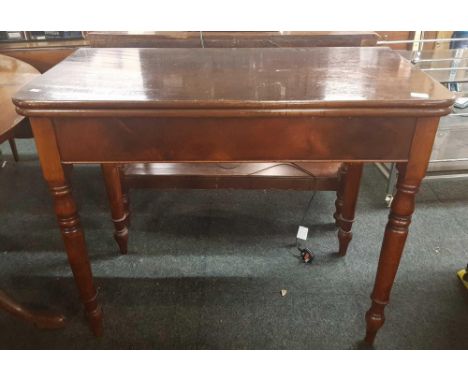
{"x":302,"y":232}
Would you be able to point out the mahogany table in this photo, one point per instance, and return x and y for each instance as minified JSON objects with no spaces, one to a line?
{"x":353,"y":105}
{"x":13,"y":75}
{"x":330,"y":176}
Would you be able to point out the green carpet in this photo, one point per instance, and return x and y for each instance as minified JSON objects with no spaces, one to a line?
{"x":205,"y":268}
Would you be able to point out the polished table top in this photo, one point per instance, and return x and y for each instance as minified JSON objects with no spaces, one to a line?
{"x":238,"y":78}
{"x":13,"y":75}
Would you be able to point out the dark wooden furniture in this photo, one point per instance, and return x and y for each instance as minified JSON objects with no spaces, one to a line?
{"x":323,"y":176}
{"x":307,"y":176}
{"x":353,"y":105}
{"x":42,"y":55}
{"x":13,"y":75}
{"x":42,"y":320}
{"x":229,"y":39}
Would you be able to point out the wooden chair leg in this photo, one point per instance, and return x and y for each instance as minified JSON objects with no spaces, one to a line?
{"x":14,"y":149}
{"x":350,"y":191}
{"x":40,"y":320}
{"x":113,"y":184}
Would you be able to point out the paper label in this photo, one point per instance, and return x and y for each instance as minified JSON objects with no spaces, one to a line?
{"x":302,"y":232}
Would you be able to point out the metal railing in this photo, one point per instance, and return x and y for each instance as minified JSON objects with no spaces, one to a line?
{"x":417,"y":48}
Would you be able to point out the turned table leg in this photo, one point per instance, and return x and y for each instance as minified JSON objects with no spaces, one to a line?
{"x":68,"y":219}
{"x":113,"y":184}
{"x":410,"y":176}
{"x":348,"y":195}
{"x":42,"y":320}
{"x":392,"y":249}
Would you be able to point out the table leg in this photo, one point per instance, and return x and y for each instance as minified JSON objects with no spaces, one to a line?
{"x":392,"y":248}
{"x":113,"y":183}
{"x":410,"y":176}
{"x":68,"y":219}
{"x":350,"y":193}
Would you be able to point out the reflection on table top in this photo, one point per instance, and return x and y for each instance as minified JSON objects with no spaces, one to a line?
{"x":13,"y":75}
{"x":234,"y":78}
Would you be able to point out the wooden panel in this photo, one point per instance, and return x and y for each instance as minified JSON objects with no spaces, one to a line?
{"x":283,"y":176}
{"x":233,"y":139}
{"x":229,"y":39}
{"x":43,"y":55}
{"x":429,"y":35}
{"x":41,"y":59}
{"x":443,"y":45}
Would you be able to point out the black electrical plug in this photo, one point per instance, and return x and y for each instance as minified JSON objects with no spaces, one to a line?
{"x":307,"y":255}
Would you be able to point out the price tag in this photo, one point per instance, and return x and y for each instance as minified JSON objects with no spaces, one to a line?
{"x":302,"y":233}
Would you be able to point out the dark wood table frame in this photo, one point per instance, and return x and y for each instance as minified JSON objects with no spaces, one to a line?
{"x":383,"y":111}
{"x":324,"y":176}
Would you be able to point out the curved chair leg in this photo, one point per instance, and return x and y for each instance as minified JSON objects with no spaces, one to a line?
{"x":14,"y":149}
{"x":112,"y":180}
{"x":350,"y":191}
{"x":41,"y":320}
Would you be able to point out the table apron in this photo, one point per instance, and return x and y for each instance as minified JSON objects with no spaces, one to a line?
{"x":159,"y":139}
